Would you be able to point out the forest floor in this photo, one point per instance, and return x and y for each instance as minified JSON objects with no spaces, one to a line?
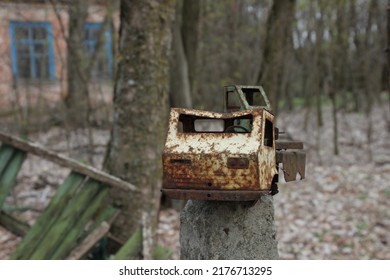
{"x":340,"y":211}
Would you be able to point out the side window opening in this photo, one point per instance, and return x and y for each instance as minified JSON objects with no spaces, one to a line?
{"x":268,"y":133}
{"x":232,"y":101}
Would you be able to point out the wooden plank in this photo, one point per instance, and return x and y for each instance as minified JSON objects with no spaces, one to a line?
{"x":6,"y":153}
{"x":132,"y":247}
{"x":87,"y":244}
{"x":7,"y":179}
{"x":43,"y":223}
{"x":104,"y":213}
{"x":76,"y":166}
{"x":66,"y":221}
{"x":71,"y":238}
{"x":284,"y":145}
{"x":104,"y":216}
{"x":12,"y":224}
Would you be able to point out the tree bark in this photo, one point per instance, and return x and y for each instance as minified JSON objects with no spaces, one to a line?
{"x":140,"y":112}
{"x":228,"y":230}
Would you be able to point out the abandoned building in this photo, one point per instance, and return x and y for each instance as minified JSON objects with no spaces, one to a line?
{"x":33,"y":51}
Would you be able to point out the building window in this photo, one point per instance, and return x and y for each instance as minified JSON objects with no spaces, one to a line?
{"x":32,"y":51}
{"x":99,"y":50}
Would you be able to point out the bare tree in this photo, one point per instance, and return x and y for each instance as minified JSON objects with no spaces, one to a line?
{"x":183,"y":63}
{"x":190,"y":31}
{"x":388,"y":59}
{"x":140,"y":114}
{"x":180,"y":91}
{"x":77,"y":99}
{"x":279,"y":32}
{"x":81,"y":62}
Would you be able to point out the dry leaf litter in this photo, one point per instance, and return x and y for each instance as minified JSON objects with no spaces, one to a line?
{"x":340,"y":211}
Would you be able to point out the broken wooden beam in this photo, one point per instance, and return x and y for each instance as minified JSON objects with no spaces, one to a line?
{"x":132,"y":247}
{"x":46,"y":220}
{"x":76,"y":166}
{"x":70,"y":224}
{"x":12,"y":224}
{"x":87,"y":244}
{"x":96,"y":231}
{"x":287,"y":145}
{"x":10,"y":163}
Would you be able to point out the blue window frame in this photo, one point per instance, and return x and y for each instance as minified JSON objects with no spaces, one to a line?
{"x":32,"y":52}
{"x":103,"y":59}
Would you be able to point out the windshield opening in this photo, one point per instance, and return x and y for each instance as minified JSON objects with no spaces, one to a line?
{"x":197,"y":124}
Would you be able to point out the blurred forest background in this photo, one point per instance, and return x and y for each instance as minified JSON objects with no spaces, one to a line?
{"x":100,"y":87}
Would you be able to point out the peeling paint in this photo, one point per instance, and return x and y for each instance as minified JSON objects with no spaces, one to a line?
{"x":227,"y":156}
{"x":213,"y":161}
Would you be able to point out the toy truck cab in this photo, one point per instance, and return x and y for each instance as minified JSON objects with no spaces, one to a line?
{"x":233,"y":155}
{"x":288,"y":154}
{"x":219,"y":156}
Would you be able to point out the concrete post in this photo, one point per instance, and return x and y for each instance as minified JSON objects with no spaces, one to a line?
{"x":228,"y":230}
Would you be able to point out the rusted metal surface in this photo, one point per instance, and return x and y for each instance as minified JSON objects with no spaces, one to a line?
{"x":294,"y":163}
{"x":228,"y":156}
{"x":252,"y":97}
{"x":197,"y":163}
{"x":222,"y":195}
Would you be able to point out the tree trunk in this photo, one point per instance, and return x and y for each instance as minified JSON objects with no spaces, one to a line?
{"x":180,"y":92}
{"x":140,"y":113}
{"x":228,"y":230}
{"x":183,"y":63}
{"x":335,"y":124}
{"x":77,"y":100}
{"x":388,"y":60}
{"x":279,"y":31}
{"x":369,"y":87}
{"x":321,"y":68}
{"x":190,"y":29}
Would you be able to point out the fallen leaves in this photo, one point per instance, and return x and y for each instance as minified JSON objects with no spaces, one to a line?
{"x":340,"y":211}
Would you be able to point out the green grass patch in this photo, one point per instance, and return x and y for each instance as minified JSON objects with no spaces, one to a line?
{"x":362,"y":226}
{"x":319,"y":235}
{"x":296,"y":102}
{"x":362,"y":196}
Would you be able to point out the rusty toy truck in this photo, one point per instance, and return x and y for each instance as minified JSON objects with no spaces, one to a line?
{"x":232,"y":156}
